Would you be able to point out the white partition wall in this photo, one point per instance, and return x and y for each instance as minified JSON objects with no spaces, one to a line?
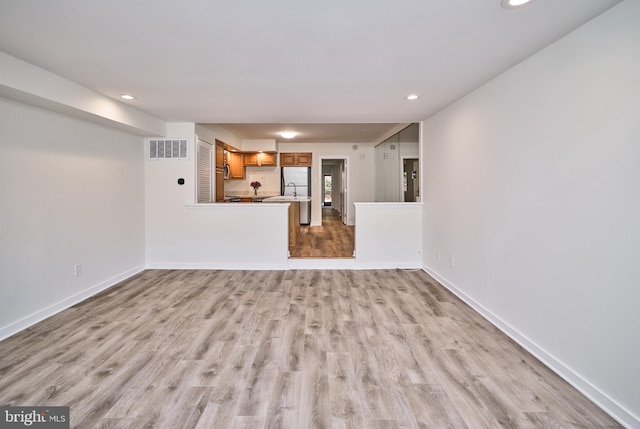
{"x":248,"y":236}
{"x":388,"y":235}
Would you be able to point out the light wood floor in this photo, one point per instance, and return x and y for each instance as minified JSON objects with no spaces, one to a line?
{"x":333,"y":239}
{"x":284,"y":349}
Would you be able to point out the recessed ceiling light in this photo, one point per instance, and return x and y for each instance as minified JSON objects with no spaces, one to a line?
{"x":412,"y":97}
{"x":509,"y":4}
{"x":288,"y":134}
{"x":127,"y":97}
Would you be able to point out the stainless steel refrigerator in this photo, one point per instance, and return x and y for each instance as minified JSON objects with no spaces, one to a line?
{"x":298,"y":180}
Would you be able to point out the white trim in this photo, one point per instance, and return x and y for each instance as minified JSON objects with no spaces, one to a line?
{"x":26,"y":322}
{"x":611,"y":407}
{"x":403,"y":265}
{"x":322,"y":264}
{"x":291,"y":264}
{"x":216,"y":266}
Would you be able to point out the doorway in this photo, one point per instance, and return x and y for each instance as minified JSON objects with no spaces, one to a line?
{"x":327,"y":188}
{"x":333,"y":238}
{"x":334,"y":187}
{"x":411,"y":179}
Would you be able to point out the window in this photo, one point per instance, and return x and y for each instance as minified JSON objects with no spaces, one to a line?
{"x":326,"y":201}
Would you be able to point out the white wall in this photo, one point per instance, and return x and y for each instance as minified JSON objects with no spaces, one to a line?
{"x":532,"y":183}
{"x":220,"y":236}
{"x":360,"y":173}
{"x":215,"y":236}
{"x":72,"y":193}
{"x":211,"y":132}
{"x":388,"y":235}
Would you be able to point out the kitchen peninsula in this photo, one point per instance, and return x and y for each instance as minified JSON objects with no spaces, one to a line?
{"x":294,"y":214}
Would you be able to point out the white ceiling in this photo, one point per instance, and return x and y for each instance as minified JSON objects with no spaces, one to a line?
{"x":316,"y":133}
{"x":285,"y":61}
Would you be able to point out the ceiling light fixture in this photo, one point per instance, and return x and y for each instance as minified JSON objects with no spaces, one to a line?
{"x":412,"y":97}
{"x":127,"y":97}
{"x":288,"y":134}
{"x":510,"y":4}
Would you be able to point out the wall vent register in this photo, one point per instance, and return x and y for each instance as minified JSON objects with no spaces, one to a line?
{"x":168,"y":149}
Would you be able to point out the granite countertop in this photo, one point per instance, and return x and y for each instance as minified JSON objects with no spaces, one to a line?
{"x":236,"y":196}
{"x":286,"y":199}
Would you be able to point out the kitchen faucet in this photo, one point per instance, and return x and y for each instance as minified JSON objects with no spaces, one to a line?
{"x":295,"y":189}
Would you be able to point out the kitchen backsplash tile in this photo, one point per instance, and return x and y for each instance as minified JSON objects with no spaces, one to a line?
{"x":269,"y":177}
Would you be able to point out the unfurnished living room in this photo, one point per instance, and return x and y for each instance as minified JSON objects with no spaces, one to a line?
{"x":413,"y":214}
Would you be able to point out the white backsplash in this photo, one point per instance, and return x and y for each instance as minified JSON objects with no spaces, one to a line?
{"x":269,"y":177}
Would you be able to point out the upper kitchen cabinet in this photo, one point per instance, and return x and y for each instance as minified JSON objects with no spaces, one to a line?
{"x":236,"y":165}
{"x":260,"y":159}
{"x":295,"y":159}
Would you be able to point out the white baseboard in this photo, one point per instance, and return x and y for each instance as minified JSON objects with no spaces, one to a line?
{"x":322,"y":264}
{"x":403,"y":265}
{"x":293,"y":264}
{"x":217,"y":266}
{"x":608,"y":405}
{"x":24,"y":323}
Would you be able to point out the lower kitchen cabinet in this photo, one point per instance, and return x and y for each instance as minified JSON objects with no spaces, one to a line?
{"x":294,"y":223}
{"x":219,"y":185}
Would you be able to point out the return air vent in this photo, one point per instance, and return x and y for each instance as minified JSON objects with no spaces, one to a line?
{"x":168,"y":149}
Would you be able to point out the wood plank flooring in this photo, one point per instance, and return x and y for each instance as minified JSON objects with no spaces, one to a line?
{"x":333,"y":239}
{"x":284,"y":349}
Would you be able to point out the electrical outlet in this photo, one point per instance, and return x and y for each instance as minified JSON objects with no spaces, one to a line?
{"x":362,"y":156}
{"x":453,"y":262}
{"x":439,"y":255}
{"x":77,"y":270}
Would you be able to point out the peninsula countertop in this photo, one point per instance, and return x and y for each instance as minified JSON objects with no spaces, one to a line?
{"x":286,"y":199}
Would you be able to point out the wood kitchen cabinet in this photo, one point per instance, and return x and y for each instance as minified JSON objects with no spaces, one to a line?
{"x":236,"y":165}
{"x":260,"y":159}
{"x":295,"y":159}
{"x":219,"y":171}
{"x":294,"y":223}
{"x":304,"y":159}
{"x":219,"y":155}
{"x":219,"y":185}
